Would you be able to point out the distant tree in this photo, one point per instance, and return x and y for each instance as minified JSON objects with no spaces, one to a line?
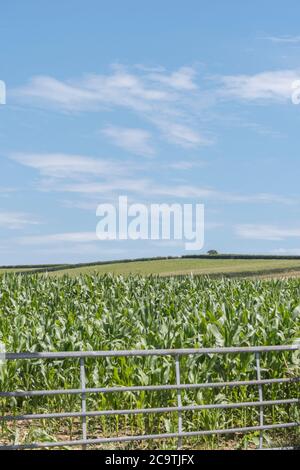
{"x":212,"y":252}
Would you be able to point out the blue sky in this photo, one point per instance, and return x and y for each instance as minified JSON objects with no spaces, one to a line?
{"x":177,"y":102}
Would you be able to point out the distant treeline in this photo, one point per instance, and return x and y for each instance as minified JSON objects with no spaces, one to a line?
{"x":61,"y":267}
{"x":237,"y":256}
{"x":28,"y":266}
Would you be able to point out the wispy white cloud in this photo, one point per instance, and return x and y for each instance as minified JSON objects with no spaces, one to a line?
{"x":150,"y":94}
{"x":45,"y":90}
{"x":97,"y":251}
{"x":120,"y":88}
{"x":90,"y":176}
{"x":16,"y":220}
{"x":181,"y":134}
{"x":133,"y":140}
{"x":69,"y":237}
{"x":183,"y":165}
{"x":182,"y":79}
{"x":287,"y":251}
{"x":6,"y":192}
{"x":113,"y":185}
{"x":190,"y":191}
{"x":61,"y":165}
{"x":284,"y":39}
{"x":266,"y":232}
{"x":270,"y":85}
{"x":143,"y":187}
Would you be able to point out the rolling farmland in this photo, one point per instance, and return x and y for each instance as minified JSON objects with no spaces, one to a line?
{"x":170,"y":267}
{"x":215,"y":267}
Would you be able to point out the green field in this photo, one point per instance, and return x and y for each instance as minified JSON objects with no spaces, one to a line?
{"x":169,"y":267}
{"x":45,"y":313}
{"x":173,"y":267}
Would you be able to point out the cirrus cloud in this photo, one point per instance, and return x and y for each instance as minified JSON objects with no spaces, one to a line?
{"x":136,"y":141}
{"x":16,"y":220}
{"x":270,"y":86}
{"x":266,"y":232}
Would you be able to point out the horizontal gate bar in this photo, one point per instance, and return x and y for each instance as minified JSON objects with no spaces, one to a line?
{"x":83,"y":414}
{"x":144,"y":437}
{"x":79,"y":414}
{"x":149,"y":352}
{"x":142,"y":388}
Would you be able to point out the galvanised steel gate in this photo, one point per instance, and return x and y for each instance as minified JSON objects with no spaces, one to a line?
{"x":179,"y":409}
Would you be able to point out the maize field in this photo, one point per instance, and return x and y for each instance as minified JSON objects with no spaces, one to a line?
{"x":43,"y":313}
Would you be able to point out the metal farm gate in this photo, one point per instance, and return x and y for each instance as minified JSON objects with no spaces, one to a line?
{"x":259,"y":382}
